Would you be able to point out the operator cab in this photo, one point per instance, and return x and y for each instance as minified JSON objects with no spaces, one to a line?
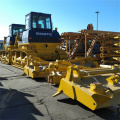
{"x":39,"y":29}
{"x":13,"y":29}
{"x":38,"y":21}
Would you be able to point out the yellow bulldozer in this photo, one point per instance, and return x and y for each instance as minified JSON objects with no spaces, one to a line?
{"x":10,"y":42}
{"x":38,"y":40}
{"x":37,"y":50}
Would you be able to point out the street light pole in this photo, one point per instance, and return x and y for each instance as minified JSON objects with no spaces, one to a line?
{"x":97,"y":19}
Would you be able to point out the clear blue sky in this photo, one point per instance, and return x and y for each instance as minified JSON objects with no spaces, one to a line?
{"x":67,"y":15}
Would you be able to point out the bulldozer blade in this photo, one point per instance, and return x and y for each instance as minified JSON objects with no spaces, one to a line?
{"x":93,"y":94}
{"x":58,"y":93}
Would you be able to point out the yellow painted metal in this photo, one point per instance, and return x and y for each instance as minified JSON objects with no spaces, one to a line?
{"x":99,"y":33}
{"x":44,"y":68}
{"x":34,"y":67}
{"x":4,"y":42}
{"x":117,"y":37}
{"x":54,"y":71}
{"x":86,"y":62}
{"x":19,"y":57}
{"x":113,"y":79}
{"x":17,"y":39}
{"x":96,"y":88}
{"x":95,"y":93}
{"x":6,"y":53}
{"x":109,"y":49}
{"x":55,"y":77}
{"x":45,"y":51}
{"x":117,"y":58}
{"x":109,"y":43}
{"x":6,"y":56}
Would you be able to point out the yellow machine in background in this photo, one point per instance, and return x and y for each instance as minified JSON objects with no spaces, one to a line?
{"x":11,"y":42}
{"x":102,"y":45}
{"x":117,"y":58}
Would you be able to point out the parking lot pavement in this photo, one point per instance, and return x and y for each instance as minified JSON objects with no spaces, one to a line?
{"x":23,"y":98}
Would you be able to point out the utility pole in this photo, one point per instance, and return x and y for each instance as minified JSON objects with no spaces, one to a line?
{"x":97,"y":19}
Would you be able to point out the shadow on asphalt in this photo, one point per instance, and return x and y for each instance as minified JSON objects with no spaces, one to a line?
{"x":3,"y":78}
{"x":15,"y":105}
{"x":103,"y":113}
{"x":40,"y":79}
{"x":73,"y":102}
{"x":57,"y":85}
{"x":1,"y":84}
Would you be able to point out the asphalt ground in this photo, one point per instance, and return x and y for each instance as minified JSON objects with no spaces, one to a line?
{"x":23,"y":98}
